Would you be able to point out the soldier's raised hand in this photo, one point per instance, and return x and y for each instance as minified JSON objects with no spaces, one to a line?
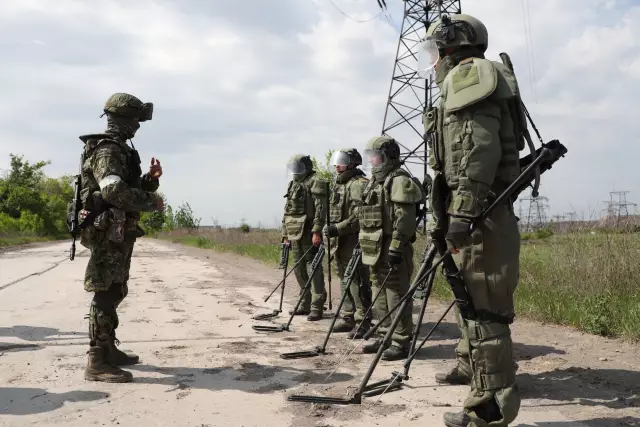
{"x":155,"y":170}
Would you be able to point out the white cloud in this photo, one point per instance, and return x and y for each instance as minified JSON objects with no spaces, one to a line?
{"x":237,"y":90}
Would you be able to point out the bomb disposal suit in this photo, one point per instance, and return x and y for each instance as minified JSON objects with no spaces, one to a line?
{"x":113,"y":194}
{"x":302,"y":223}
{"x":343,"y":231}
{"x":387,"y":220}
{"x":474,"y":150}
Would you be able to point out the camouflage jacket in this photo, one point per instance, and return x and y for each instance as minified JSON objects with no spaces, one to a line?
{"x":112,"y":177}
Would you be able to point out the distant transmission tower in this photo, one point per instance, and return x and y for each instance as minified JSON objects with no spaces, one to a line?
{"x":410,"y":94}
{"x":618,"y":207}
{"x":537,"y":213}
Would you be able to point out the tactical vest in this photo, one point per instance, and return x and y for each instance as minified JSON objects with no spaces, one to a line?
{"x":299,"y":207}
{"x":451,"y":140}
{"x":376,"y":217}
{"x":129,"y":156}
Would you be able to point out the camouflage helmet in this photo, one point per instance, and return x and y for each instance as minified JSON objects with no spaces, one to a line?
{"x":385,"y":144}
{"x":123,"y":104}
{"x":458,"y":30}
{"x":299,"y":164}
{"x":346,"y":157}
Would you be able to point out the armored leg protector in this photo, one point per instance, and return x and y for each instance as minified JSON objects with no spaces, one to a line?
{"x":494,"y":399}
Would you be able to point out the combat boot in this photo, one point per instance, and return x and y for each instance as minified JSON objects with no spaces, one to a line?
{"x":456,"y":419}
{"x":99,"y":369}
{"x":344,"y":325}
{"x":454,"y":377}
{"x":395,"y":352}
{"x":372,"y":347}
{"x":359,"y":330}
{"x":300,"y":312}
{"x":117,"y":357}
{"x":314,"y":315}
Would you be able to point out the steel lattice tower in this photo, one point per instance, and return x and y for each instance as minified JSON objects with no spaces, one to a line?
{"x":410,"y":94}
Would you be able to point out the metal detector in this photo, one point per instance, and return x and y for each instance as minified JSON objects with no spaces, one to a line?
{"x":315,"y":264}
{"x":284,"y":260}
{"x":350,"y":271}
{"x":543,"y":159}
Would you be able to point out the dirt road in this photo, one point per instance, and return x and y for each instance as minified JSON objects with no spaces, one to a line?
{"x":188,"y":316}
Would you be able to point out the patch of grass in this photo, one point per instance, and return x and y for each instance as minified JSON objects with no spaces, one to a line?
{"x":8,"y":240}
{"x":590,"y":282}
{"x":587,"y":281}
{"x":262,"y":245}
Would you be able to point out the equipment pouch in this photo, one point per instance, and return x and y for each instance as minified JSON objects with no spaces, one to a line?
{"x":371,"y":244}
{"x":115,"y":231}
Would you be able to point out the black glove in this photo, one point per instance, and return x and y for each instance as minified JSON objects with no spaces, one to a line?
{"x":459,"y":234}
{"x":395,"y":258}
{"x":331,"y":231}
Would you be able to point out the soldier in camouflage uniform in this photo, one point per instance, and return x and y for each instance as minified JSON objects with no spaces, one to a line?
{"x":302,"y":223}
{"x":113,"y":195}
{"x":343,"y":229}
{"x":387,"y":231}
{"x":478,"y":129}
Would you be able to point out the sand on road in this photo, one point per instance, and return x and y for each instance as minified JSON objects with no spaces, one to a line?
{"x":188,"y":316}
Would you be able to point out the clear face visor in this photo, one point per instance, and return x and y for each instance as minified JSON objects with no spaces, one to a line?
{"x":296,"y":167}
{"x":339,"y":161}
{"x":373,"y":158}
{"x":428,"y":56}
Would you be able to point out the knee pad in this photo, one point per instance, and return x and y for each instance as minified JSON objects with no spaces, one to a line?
{"x":491,"y":354}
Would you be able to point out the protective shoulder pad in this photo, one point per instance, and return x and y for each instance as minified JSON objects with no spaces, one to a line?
{"x":106,"y":145}
{"x":319,"y":186}
{"x":469,"y":83}
{"x":405,"y":190}
{"x":357,"y":188}
{"x":507,"y":84}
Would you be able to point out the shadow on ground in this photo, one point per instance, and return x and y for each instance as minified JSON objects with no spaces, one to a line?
{"x":612,"y":388}
{"x":38,"y":333}
{"x":27,"y":401}
{"x":595,"y":422}
{"x":249,"y":377}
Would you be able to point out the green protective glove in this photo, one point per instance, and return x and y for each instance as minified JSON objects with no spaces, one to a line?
{"x":459,"y":233}
{"x":395,"y":258}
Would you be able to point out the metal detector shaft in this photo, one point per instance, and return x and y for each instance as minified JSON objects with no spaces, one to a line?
{"x":287,"y":275}
{"x":425,"y":268}
{"x":353,"y":265}
{"x":284,"y":277}
{"x":329,"y":243}
{"x":316,"y":263}
{"x":385,"y":342}
{"x":423,"y":309}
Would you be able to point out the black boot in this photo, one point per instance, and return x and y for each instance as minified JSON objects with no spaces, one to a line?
{"x":454,"y":377}
{"x":395,"y":352}
{"x":344,"y":325}
{"x":99,"y":369}
{"x":300,"y":312}
{"x":456,"y":419}
{"x":314,"y":315}
{"x":372,"y":347}
{"x":119,"y":358}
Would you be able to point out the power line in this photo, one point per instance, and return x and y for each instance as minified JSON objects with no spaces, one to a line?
{"x":351,"y":17}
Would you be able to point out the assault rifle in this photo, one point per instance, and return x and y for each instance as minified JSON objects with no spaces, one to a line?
{"x":73,"y":210}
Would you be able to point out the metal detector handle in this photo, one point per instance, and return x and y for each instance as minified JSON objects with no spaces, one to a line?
{"x":327,"y":208}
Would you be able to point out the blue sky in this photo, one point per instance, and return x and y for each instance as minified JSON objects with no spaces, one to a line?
{"x":238,"y":90}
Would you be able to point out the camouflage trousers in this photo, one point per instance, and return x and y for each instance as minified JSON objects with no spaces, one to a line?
{"x":358,"y":301}
{"x":107,"y":274}
{"x":317,"y":296}
{"x":490,"y":269}
{"x":395,"y":288}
